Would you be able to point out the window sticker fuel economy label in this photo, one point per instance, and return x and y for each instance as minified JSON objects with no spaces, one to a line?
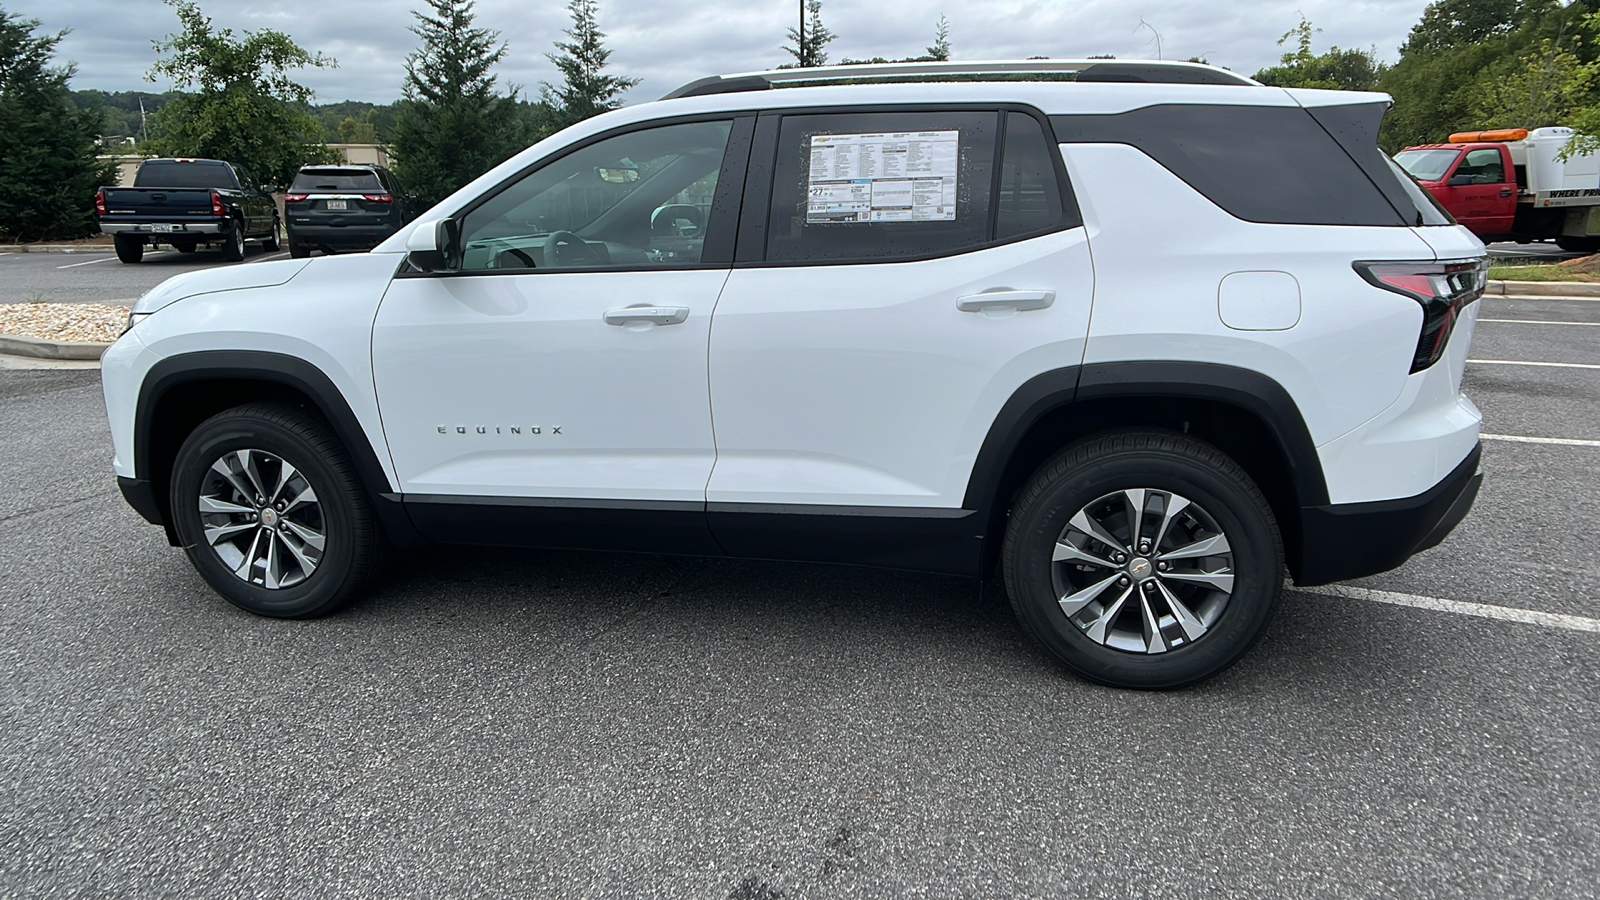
{"x":887,"y":177}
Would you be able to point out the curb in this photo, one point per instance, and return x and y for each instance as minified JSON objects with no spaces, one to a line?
{"x":1543,"y":288}
{"x":56,"y":248}
{"x":36,"y":348}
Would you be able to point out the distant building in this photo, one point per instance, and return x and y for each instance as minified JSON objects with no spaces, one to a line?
{"x":369,"y":154}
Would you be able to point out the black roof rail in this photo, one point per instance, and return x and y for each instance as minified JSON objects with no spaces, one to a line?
{"x":1145,"y":71}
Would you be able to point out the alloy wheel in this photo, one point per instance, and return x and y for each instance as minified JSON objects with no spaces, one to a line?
{"x":1143,"y":570}
{"x":262,"y":518}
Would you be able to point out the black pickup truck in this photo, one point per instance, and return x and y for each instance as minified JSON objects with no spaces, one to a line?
{"x":184,"y":203}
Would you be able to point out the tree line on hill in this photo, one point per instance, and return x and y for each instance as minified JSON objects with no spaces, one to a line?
{"x":1467,"y":64}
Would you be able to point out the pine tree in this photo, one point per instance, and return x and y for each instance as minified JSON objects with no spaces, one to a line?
{"x":48,"y":170}
{"x":453,"y":124}
{"x":808,"y":49}
{"x":940,"y":51}
{"x":586,"y":90}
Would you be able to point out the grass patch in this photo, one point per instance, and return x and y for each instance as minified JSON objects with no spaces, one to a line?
{"x":1548,"y":272}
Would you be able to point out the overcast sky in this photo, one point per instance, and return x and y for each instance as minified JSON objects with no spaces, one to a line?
{"x":669,"y":42}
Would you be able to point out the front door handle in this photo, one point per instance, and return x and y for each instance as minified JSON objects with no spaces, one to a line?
{"x":656,"y":315}
{"x":1505,"y":192}
{"x":1006,"y":299}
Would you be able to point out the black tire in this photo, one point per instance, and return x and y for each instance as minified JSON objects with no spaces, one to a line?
{"x":353,"y":543}
{"x":184,"y":246}
{"x":233,"y":242}
{"x":270,"y":242}
{"x":130,"y":249}
{"x":1578,"y":245}
{"x":299,"y":251}
{"x":1165,"y":464}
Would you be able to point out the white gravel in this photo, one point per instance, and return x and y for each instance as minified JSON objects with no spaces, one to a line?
{"x":63,"y":321}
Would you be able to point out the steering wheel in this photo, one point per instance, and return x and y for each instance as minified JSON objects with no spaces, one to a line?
{"x":555,"y":240}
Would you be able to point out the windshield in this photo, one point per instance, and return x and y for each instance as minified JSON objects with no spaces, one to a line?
{"x":180,"y":174}
{"x":358,"y":180}
{"x":1426,"y":165}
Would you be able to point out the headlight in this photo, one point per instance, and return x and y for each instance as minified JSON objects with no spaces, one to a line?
{"x":134,"y":319}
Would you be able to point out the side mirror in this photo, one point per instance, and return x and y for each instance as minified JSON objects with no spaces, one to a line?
{"x":436,"y":249}
{"x":269,"y":189}
{"x":1459,"y":180}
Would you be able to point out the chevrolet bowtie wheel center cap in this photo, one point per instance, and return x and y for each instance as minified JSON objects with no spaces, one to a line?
{"x":1140,"y":568}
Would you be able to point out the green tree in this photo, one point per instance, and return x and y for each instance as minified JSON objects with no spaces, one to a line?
{"x":1337,"y":69}
{"x":361,"y":129}
{"x":940,"y":51}
{"x":241,"y":102}
{"x":809,"y":48}
{"x":586,"y":89}
{"x":1545,"y":87}
{"x":1464,"y":63}
{"x":48,"y":170}
{"x":453,"y":124}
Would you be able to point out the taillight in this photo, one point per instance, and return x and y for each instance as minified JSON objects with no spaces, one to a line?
{"x":294,"y":198}
{"x":99,"y":203}
{"x":216,"y":204}
{"x":378,"y":198}
{"x":1443,"y":289}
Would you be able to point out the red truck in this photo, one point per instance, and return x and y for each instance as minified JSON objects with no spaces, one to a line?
{"x":1512,"y":185}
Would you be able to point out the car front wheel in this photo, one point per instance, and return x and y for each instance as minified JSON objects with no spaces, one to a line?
{"x":270,"y":512}
{"x":1143,"y":560}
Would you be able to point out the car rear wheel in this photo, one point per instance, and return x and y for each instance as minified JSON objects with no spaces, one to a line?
{"x":271,"y":242}
{"x":1143,"y":560}
{"x":270,"y":512}
{"x":130,"y":249}
{"x":233,"y":243}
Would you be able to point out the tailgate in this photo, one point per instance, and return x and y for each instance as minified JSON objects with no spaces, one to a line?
{"x":160,"y":203}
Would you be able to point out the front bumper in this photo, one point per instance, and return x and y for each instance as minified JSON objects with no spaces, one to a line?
{"x":1349,"y":540}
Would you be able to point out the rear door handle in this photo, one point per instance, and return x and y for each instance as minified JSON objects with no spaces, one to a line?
{"x":657,"y":315}
{"x":1006,"y":299}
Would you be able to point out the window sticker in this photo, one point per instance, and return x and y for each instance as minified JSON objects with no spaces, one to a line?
{"x":886,"y":177}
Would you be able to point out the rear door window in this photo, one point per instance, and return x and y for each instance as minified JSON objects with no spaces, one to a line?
{"x":882,"y":186}
{"x":322,"y":181}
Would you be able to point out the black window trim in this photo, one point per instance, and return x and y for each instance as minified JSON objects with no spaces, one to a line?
{"x":730,"y":187}
{"x":759,"y":185}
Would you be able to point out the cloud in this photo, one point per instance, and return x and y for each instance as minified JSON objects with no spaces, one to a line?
{"x":670,"y":43}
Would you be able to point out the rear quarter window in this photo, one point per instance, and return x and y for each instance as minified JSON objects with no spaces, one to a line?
{"x":1268,"y":164}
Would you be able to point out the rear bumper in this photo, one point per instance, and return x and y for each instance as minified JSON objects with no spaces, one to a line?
{"x":340,"y":235}
{"x":144,"y":229}
{"x":1349,"y":540}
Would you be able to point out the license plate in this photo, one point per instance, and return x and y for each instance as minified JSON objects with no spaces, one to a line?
{"x":336,"y":204}
{"x":162,"y":229}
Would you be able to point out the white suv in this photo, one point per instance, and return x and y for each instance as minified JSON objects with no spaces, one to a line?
{"x":1140,"y":335}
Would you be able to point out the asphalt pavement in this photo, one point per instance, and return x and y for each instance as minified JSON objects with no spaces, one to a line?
{"x":521,"y":723}
{"x":96,"y":276}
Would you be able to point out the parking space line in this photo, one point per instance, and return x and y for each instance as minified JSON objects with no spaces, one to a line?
{"x":1537,"y":322}
{"x":1520,"y":362}
{"x":1560,"y":442}
{"x":1539,"y":297}
{"x":89,"y":262}
{"x":1459,"y":607}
